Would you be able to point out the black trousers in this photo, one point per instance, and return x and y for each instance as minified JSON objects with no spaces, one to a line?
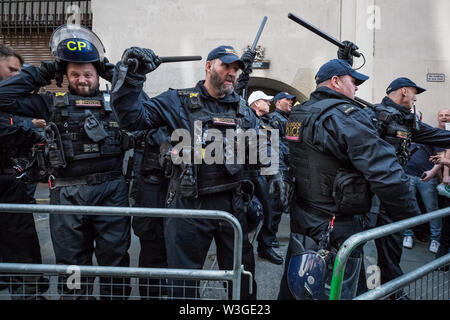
{"x":188,"y":240}
{"x":312,"y":223}
{"x":19,"y":241}
{"x":151,"y":193}
{"x":272,"y":218}
{"x":389,"y":249}
{"x":444,"y":240}
{"x":77,"y":237}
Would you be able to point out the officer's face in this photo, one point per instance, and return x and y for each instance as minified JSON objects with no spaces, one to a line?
{"x":221,"y":76}
{"x":83,"y":78}
{"x":409,"y":97}
{"x":345,"y":85}
{"x":443,"y":118}
{"x":285,"y":104}
{"x":9,"y":66}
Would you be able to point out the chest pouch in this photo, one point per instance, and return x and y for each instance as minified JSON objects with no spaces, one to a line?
{"x":93,"y":128}
{"x":351,"y":192}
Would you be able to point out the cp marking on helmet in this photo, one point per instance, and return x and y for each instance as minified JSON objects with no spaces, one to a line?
{"x":76,"y":45}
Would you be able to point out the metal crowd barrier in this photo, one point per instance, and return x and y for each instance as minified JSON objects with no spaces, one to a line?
{"x":16,"y":273}
{"x":360,"y":238}
{"x":429,"y":282}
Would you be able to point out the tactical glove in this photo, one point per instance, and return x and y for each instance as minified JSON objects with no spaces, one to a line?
{"x":248,"y":57}
{"x":106,"y":69}
{"x":50,"y":70}
{"x":278,"y":189}
{"x":140,"y":60}
{"x":346,"y":53}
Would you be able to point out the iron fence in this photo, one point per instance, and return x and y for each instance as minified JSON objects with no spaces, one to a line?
{"x":46,"y":281}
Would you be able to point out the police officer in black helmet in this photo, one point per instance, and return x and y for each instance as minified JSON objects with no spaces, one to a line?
{"x":213,"y":104}
{"x":82,"y":154}
{"x":335,"y":151}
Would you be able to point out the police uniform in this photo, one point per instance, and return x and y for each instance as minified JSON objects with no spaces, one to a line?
{"x":84,"y":155}
{"x":151,"y":191}
{"x":399,"y":127}
{"x":335,"y":151}
{"x":188,"y":240}
{"x":19,"y":242}
{"x":271,"y":217}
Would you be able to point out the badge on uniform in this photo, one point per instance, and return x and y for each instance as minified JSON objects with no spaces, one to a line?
{"x":293,"y":131}
{"x":402,"y":134}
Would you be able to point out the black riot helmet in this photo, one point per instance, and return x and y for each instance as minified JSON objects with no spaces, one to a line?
{"x":75,"y":43}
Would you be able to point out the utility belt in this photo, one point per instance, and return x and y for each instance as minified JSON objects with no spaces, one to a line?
{"x":91,"y":179}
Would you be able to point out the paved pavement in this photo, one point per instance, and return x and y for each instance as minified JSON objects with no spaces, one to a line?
{"x":268,"y":275}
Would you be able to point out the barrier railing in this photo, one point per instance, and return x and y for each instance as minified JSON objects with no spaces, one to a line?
{"x":357,"y":239}
{"x":234,"y":275}
{"x":425,"y":288}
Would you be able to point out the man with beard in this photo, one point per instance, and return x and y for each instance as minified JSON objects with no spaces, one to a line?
{"x":211,"y":106}
{"x":83,"y":155}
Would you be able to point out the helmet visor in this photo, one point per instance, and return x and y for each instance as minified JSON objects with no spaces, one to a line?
{"x":75,"y":43}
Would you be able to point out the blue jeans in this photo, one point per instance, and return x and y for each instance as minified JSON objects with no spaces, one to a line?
{"x":429,"y":196}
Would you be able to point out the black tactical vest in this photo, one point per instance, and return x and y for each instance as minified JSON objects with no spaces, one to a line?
{"x":87,"y":127}
{"x":395,"y":128}
{"x":314,"y":171}
{"x":198,"y":179}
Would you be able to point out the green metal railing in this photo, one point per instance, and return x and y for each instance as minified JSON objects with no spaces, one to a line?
{"x":360,"y":238}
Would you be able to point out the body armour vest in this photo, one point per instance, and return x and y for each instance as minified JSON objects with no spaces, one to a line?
{"x":86,"y":129}
{"x":395,"y":128}
{"x":208,"y":128}
{"x":314,"y":171}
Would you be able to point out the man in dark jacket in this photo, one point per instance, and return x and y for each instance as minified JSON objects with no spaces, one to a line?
{"x":398,"y":125}
{"x":333,"y":147}
{"x":211,"y":106}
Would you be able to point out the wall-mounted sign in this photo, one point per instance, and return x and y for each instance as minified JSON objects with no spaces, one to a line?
{"x":261,"y":65}
{"x":435,"y":77}
{"x":259,"y":62}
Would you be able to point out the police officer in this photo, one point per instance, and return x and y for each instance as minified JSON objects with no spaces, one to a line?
{"x":398,"y":125}
{"x":212,"y":104}
{"x":260,"y":103}
{"x":151,"y":190}
{"x":18,"y":238}
{"x":19,"y":242}
{"x":82,"y":153}
{"x":278,"y":119}
{"x":335,"y":150}
{"x":283,"y":104}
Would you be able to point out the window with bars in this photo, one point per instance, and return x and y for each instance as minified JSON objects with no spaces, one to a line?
{"x":35,"y":17}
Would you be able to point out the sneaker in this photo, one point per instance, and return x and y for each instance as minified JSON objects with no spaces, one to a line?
{"x":434,"y":246}
{"x":408,"y":242}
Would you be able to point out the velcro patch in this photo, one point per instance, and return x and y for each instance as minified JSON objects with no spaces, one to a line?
{"x":230,"y":122}
{"x":347,"y":109}
{"x":88,"y":103}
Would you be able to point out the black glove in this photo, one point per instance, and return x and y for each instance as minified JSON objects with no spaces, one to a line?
{"x":248,"y":58}
{"x":141,"y":60}
{"x":278,"y":189}
{"x":106,"y":69}
{"x":52,"y":70}
{"x":346,"y":53}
